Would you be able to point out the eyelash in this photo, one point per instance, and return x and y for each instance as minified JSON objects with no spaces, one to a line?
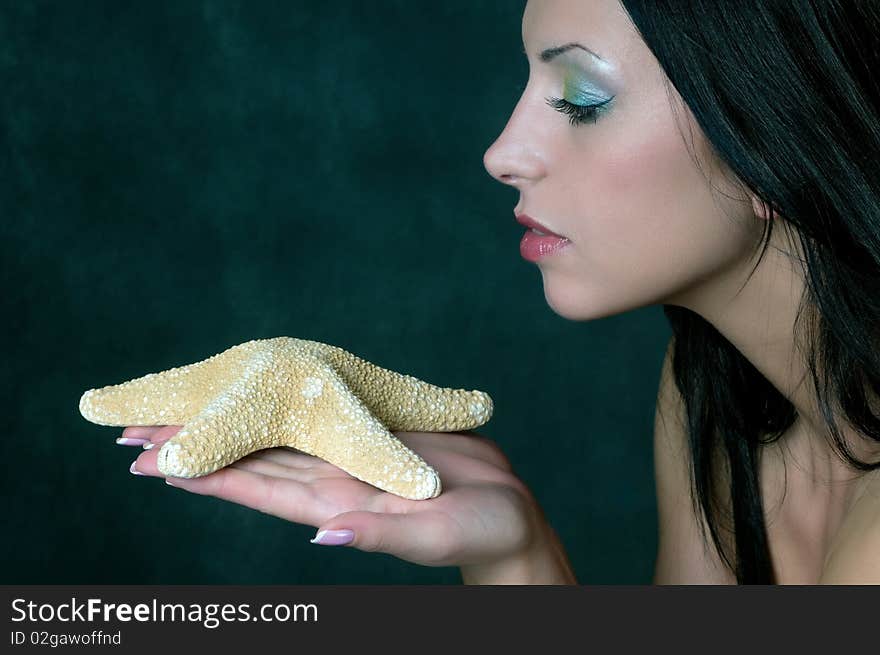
{"x":580,"y":114}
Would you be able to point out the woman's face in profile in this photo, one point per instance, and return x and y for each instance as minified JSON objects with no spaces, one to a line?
{"x":644,"y":223}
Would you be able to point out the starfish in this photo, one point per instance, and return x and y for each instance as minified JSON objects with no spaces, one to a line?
{"x":307,"y":395}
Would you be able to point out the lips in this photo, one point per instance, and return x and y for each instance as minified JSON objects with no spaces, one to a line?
{"x":528,"y":221}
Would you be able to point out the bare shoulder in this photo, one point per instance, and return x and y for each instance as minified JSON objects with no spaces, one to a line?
{"x":855,"y":557}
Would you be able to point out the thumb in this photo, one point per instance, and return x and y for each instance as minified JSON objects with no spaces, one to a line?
{"x":419,"y":537}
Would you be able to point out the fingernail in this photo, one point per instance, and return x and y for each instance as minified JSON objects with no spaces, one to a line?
{"x":333,"y":537}
{"x":147,"y":446}
{"x":131,"y":468}
{"x":127,"y":441}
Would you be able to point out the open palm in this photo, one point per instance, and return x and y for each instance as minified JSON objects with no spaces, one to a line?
{"x":484,"y":512}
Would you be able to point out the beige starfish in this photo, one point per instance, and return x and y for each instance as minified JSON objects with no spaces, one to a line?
{"x":308,"y":395}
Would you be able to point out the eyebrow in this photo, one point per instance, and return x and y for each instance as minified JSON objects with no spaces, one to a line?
{"x":552,"y":53}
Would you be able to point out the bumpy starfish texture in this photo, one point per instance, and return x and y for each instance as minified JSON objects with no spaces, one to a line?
{"x":317,"y":398}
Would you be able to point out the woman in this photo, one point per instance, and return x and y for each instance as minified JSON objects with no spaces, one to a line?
{"x":720,"y":159}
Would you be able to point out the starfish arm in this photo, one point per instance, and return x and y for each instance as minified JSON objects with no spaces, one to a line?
{"x":243,"y":419}
{"x":405,"y":403}
{"x":338,"y":427}
{"x":170,"y":397}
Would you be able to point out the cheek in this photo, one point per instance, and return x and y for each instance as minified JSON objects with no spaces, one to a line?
{"x":650,"y":225}
{"x":650,"y":195}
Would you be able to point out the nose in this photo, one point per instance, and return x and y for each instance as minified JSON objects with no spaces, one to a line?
{"x":514,"y":157}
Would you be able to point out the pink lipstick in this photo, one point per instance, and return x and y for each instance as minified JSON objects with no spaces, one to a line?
{"x":538,"y":241}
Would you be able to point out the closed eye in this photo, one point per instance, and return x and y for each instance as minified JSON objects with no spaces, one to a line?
{"x":580,"y":114}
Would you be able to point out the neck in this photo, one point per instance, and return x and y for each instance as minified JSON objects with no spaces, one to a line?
{"x":759,"y":320}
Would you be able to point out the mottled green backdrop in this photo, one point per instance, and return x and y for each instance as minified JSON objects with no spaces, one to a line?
{"x":179,"y":177}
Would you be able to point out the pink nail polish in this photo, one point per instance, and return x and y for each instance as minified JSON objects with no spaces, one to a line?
{"x":131,"y":468}
{"x":333,"y":537}
{"x":128,"y":441}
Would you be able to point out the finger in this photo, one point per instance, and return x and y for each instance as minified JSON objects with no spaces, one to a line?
{"x":127,"y":441}
{"x":258,"y":464}
{"x":284,"y":498}
{"x":145,"y":464}
{"x":469,"y":444}
{"x":424,"y":537}
{"x":165,"y":433}
{"x":151,"y":432}
{"x":140,"y":431}
{"x":289,"y":457}
{"x":160,"y":436}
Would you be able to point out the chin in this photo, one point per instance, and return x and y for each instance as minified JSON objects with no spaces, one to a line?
{"x":574,"y":306}
{"x":578,"y":304}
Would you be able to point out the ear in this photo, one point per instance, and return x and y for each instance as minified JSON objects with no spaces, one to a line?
{"x":759,"y":208}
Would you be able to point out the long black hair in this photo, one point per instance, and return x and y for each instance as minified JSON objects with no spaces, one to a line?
{"x":786,"y":94}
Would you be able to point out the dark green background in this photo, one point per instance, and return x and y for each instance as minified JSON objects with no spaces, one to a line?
{"x":180,"y":177}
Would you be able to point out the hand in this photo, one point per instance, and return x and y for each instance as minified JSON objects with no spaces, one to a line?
{"x":484,"y":514}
